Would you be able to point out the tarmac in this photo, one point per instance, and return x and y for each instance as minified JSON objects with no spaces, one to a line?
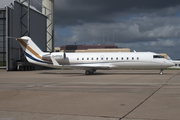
{"x":106,"y":95}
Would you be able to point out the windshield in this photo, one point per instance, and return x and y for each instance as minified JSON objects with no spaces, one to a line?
{"x":169,"y":58}
{"x":157,"y":56}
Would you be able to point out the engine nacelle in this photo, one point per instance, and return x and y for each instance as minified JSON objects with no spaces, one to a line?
{"x":59,"y":56}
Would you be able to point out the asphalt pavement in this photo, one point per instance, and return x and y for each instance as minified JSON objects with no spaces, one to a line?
{"x":106,"y":95}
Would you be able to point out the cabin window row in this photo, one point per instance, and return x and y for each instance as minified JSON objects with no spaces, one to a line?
{"x":177,"y":65}
{"x":117,"y":58}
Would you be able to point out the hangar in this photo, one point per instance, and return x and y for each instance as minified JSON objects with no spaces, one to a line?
{"x":19,"y":18}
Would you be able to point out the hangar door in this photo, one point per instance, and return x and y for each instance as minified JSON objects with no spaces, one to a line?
{"x":17,"y":27}
{"x":2,"y":38}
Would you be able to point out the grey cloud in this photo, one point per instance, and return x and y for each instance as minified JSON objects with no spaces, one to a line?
{"x":135,"y":30}
{"x":155,"y":46}
{"x":163,"y":43}
{"x":78,"y":12}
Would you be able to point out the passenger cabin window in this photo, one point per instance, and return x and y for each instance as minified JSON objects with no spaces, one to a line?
{"x":87,"y":58}
{"x":91,"y":58}
{"x":77,"y":58}
{"x":107,"y":58}
{"x":122,"y":58}
{"x":96,"y":58}
{"x":132,"y":58}
{"x":127,"y":58}
{"x":137,"y":58}
{"x":117,"y":58}
{"x":112,"y":58}
{"x":157,"y":56}
{"x":82,"y":58}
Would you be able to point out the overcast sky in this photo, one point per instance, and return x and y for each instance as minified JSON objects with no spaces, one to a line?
{"x":141,"y":25}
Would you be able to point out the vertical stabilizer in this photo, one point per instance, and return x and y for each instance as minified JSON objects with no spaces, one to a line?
{"x":32,"y":51}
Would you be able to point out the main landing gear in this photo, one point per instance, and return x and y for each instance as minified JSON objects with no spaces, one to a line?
{"x":90,"y":72}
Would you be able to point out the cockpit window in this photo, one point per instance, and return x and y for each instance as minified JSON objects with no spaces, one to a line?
{"x":157,"y":56}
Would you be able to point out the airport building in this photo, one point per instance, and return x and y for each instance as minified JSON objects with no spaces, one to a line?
{"x":90,"y":48}
{"x":19,"y":18}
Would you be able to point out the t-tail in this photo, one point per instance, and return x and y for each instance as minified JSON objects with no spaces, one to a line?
{"x":32,"y":52}
{"x":36,"y":56}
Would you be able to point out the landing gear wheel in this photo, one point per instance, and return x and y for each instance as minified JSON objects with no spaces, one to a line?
{"x":87,"y":72}
{"x":90,"y":72}
{"x":161,"y":72}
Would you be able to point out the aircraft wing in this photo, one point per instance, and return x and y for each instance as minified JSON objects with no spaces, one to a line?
{"x":85,"y":66}
{"x":92,"y":66}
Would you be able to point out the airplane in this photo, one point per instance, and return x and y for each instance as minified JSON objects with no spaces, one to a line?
{"x":90,"y":62}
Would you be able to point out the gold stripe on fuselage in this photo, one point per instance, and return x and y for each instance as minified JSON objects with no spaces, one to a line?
{"x":30,"y":49}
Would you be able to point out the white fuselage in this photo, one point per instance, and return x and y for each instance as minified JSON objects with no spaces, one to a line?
{"x":176,"y":64}
{"x":112,"y":60}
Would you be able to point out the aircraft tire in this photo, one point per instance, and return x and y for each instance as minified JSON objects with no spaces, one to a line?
{"x":87,"y":72}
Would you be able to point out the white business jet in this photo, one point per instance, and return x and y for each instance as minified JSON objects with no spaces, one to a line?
{"x":91,"y":62}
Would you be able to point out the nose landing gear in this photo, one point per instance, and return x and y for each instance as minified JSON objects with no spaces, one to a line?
{"x":161,"y":72}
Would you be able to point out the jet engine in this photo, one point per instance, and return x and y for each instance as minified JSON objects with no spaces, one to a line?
{"x":59,"y":56}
